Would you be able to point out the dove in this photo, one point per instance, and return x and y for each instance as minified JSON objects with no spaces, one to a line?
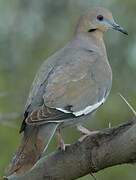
{"x":70,"y":85}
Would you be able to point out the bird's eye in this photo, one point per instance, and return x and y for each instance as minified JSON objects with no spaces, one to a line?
{"x":100,"y":17}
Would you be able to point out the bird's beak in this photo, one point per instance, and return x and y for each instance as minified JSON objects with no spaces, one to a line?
{"x":119,"y":28}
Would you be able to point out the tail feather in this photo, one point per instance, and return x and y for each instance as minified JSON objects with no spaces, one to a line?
{"x":35,"y":140}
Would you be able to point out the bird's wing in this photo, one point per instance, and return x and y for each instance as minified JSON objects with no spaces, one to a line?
{"x":35,"y":98}
{"x":75,"y":87}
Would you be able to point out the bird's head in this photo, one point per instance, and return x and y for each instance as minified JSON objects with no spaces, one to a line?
{"x":98,"y":19}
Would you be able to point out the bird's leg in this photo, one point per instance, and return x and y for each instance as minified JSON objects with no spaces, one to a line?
{"x":85,"y":131}
{"x":61,"y":144}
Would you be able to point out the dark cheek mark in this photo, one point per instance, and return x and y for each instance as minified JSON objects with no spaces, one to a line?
{"x":92,"y":30}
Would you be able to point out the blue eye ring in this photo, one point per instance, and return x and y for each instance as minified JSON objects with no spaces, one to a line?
{"x":100,"y":17}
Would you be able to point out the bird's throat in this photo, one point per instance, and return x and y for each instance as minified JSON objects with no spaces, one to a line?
{"x":96,"y":33}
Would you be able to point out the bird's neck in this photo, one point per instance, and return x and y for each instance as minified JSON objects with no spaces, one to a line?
{"x":91,"y":40}
{"x":97,"y":37}
{"x":97,"y":34}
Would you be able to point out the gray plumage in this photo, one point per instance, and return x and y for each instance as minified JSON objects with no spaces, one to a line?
{"x":77,"y":76}
{"x":68,"y":88}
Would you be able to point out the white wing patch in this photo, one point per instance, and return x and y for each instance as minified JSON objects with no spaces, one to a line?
{"x":63,"y":110}
{"x":85,"y":111}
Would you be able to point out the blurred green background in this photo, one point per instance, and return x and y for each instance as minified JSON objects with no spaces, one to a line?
{"x":32,"y":30}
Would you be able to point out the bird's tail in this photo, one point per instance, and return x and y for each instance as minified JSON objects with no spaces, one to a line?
{"x":34,"y":142}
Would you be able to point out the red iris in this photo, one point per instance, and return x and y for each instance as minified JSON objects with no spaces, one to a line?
{"x":100,"y":17}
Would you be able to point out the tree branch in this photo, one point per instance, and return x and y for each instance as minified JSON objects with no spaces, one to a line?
{"x":90,"y":154}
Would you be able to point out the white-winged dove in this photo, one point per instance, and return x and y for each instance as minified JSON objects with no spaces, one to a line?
{"x":70,"y":85}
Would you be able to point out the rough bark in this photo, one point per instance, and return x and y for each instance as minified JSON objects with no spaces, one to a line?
{"x":108,"y":147}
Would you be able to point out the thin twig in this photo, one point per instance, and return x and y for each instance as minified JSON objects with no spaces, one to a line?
{"x":129,"y":105}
